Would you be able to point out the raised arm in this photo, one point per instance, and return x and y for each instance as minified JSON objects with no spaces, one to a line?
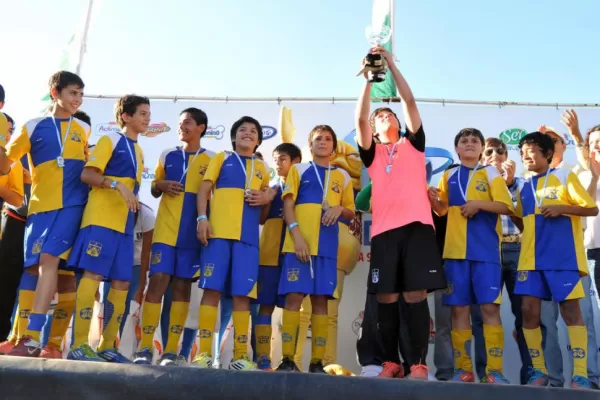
{"x":364,"y":136}
{"x":409,"y":105}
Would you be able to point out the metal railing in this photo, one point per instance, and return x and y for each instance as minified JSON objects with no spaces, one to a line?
{"x":334,"y":100}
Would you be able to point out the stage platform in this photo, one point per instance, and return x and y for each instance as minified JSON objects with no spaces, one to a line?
{"x":22,"y":378}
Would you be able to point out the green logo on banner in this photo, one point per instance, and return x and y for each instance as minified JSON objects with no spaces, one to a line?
{"x":512,"y":136}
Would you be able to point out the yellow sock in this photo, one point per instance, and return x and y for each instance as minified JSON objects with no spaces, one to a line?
{"x":150,"y":318}
{"x":178,"y":315}
{"x":494,"y":345}
{"x":115,"y":299}
{"x":289,"y":332}
{"x":461,"y":342}
{"x":319,"y":337}
{"x":84,"y":308}
{"x":15,"y":326}
{"x":533,"y":338}
{"x":579,"y":346}
{"x":26,"y":298}
{"x":61,"y":319}
{"x":263,"y":340}
{"x":241,"y":320}
{"x":208,"y":319}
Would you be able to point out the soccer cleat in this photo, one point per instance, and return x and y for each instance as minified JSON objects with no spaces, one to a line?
{"x":419,"y":372}
{"x":316,"y":368}
{"x":537,"y":378}
{"x":202,"y":360}
{"x":264,"y":363}
{"x":287,"y":365}
{"x":113,"y":356}
{"x":143,"y":357}
{"x":391,"y":370}
{"x":27,"y":347}
{"x":6,"y":346}
{"x":51,"y":352}
{"x":171,"y":360}
{"x":460,"y":375}
{"x":84,"y":353}
{"x":497,"y":377}
{"x":580,"y":382}
{"x":243,"y":364}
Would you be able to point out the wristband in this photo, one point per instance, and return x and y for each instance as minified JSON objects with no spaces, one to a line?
{"x":113,"y":184}
{"x":292,"y":226}
{"x":201,"y":217}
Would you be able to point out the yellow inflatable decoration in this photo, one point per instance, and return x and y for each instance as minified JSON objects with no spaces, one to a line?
{"x":347,"y":158}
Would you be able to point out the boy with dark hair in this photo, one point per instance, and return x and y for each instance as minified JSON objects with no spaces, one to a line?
{"x":104,"y":245}
{"x":57,"y":148}
{"x":402,"y":225}
{"x":474,"y":197}
{"x":231,"y":257}
{"x":552,"y":261}
{"x":314,"y":197}
{"x":271,"y":241}
{"x":175,"y":256}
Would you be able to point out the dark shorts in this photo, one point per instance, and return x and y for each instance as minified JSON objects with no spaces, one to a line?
{"x":406,"y":259}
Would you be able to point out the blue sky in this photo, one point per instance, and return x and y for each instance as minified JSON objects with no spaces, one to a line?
{"x":465,"y":49}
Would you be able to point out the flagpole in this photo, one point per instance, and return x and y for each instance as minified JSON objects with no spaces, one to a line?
{"x":393,"y":26}
{"x":86,"y":28}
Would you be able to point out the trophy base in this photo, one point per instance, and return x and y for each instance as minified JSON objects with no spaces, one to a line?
{"x":376,"y":76}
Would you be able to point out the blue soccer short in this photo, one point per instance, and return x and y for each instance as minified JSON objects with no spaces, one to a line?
{"x":268,"y":286}
{"x":472,"y":282}
{"x":104,"y":252}
{"x":230,"y":267}
{"x":175,"y":261}
{"x":318,"y":277}
{"x":52,"y":232}
{"x":548,"y":285}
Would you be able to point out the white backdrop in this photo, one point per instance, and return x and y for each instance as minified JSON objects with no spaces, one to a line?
{"x":441,"y":124}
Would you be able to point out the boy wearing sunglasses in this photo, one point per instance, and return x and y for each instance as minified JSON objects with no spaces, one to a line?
{"x":495,"y":153}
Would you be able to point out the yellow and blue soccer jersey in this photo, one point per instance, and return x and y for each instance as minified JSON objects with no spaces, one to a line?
{"x":231,"y":217}
{"x":176,"y":219}
{"x":306,"y":190}
{"x":552,"y":244}
{"x":3,"y":130}
{"x":273,"y":232}
{"x":14,"y":179}
{"x":53,"y":187}
{"x":114,"y":156}
{"x":477,"y":238}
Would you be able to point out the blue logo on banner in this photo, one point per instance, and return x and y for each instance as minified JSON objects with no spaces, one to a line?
{"x":268,"y":132}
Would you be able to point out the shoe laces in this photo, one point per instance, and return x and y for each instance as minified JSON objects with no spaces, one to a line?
{"x":388,"y":365}
{"x":87,"y":351}
{"x":419,"y":368}
{"x":581,"y":381}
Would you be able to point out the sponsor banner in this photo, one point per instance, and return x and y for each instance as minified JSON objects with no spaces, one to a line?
{"x":441,"y":124}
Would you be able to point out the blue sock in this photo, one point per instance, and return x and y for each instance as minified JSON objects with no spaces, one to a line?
{"x":189,"y":336}
{"x":36,"y":322}
{"x":46,"y":331}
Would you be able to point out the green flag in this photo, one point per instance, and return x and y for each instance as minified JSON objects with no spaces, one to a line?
{"x":382,"y":16}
